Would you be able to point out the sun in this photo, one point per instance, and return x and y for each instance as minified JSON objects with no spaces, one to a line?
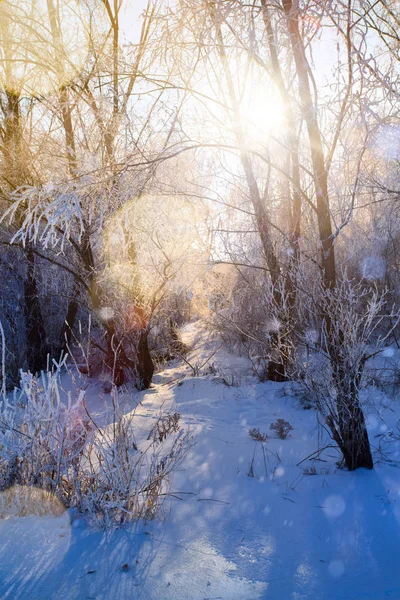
{"x":261,"y":110}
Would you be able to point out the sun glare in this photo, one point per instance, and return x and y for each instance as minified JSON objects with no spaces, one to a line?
{"x":43,"y":44}
{"x":262,"y":111}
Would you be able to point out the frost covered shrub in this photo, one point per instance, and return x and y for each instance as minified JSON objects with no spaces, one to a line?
{"x":333,"y":374}
{"x":240,"y":320}
{"x":49,"y":441}
{"x":39,"y":434}
{"x":282,"y":428}
{"x":258,"y":329}
{"x":118,"y":480}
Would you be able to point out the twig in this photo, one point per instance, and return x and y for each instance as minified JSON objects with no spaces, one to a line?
{"x":316,"y":452}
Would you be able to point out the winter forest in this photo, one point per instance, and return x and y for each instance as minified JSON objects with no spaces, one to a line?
{"x":200,"y":299}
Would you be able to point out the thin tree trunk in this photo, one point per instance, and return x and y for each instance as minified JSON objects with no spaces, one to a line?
{"x":72,"y":311}
{"x":145,"y":366}
{"x":295,"y":226}
{"x":315,"y":140}
{"x":35,"y":331}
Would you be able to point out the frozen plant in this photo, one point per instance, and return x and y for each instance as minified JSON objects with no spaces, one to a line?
{"x":282,"y":428}
{"x":257,"y":435}
{"x":49,"y":441}
{"x":260,"y":438}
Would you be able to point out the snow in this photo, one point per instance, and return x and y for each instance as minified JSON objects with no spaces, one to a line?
{"x":282,"y":534}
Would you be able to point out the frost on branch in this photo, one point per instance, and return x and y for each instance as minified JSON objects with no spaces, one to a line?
{"x":51,"y":215}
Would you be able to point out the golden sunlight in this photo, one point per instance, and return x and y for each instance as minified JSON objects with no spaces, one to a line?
{"x":43,"y":44}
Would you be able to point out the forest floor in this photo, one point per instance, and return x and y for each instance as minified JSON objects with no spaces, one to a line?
{"x":278,"y":531}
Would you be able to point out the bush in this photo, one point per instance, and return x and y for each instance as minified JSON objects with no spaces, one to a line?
{"x":261,"y":331}
{"x":353,"y":318}
{"x":56,"y":446}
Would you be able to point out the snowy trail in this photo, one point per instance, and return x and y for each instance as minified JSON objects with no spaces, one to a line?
{"x":281,"y":535}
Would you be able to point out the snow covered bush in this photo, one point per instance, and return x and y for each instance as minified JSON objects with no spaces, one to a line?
{"x":333,"y":372}
{"x":262,"y":330}
{"x":48,"y":440}
{"x":39,"y":434}
{"x":120,"y":479}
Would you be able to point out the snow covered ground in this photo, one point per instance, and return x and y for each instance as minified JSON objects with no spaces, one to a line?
{"x":308,"y":531}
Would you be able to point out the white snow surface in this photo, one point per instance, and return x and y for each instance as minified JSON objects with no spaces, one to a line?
{"x":282,"y":534}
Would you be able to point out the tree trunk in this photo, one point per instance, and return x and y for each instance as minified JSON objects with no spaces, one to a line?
{"x":16,"y":167}
{"x":117,"y":361}
{"x":144,"y":366}
{"x":351,"y":435}
{"x":320,"y":173}
{"x":348,"y":424}
{"x":35,"y":331}
{"x":277,"y":370}
{"x":295,"y":184}
{"x":356,"y":449}
{"x":72,"y":311}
